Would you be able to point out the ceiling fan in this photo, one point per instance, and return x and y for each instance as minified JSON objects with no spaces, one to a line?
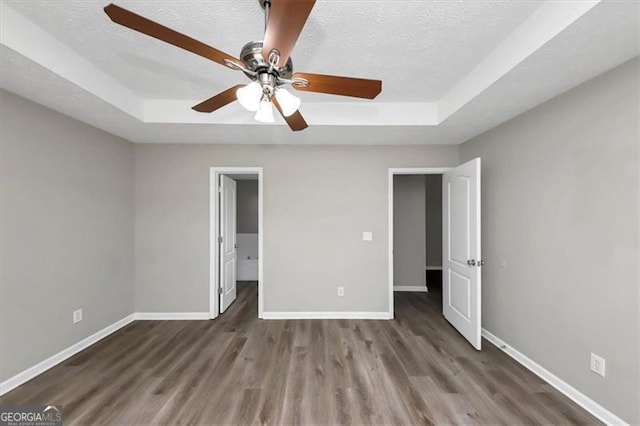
{"x":266,"y":63}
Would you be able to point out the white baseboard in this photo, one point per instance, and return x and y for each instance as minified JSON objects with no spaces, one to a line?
{"x":158,"y":316}
{"x":327,"y":315}
{"x":572,"y":393}
{"x":52,"y":361}
{"x":422,"y":288}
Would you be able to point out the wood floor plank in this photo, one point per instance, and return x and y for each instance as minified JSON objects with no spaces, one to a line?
{"x":240,"y":370}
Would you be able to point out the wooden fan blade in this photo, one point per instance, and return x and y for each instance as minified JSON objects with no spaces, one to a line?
{"x":286,"y":20}
{"x":295,"y":121}
{"x":136,"y":22}
{"x":334,"y":85}
{"x":218,"y":101}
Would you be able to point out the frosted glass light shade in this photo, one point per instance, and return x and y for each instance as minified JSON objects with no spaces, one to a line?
{"x":265,"y":112}
{"x":288,"y":102}
{"x":249,"y":96}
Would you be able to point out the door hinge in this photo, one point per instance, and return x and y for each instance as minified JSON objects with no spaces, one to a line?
{"x":219,"y":240}
{"x":219,"y":290}
{"x":220,"y":189}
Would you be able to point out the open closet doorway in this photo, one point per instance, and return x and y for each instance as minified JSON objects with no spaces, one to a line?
{"x":236,"y":226}
{"x":413,"y":227}
{"x":417,"y":232}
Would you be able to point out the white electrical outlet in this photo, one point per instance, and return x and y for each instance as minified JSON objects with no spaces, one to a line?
{"x":340,"y":291}
{"x":367,"y":236}
{"x":77,"y":316}
{"x":598,"y":364}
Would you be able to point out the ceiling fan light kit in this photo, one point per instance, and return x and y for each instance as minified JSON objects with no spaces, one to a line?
{"x":289,"y":103}
{"x":249,"y":96}
{"x":265,"y":111}
{"x":266,"y":63}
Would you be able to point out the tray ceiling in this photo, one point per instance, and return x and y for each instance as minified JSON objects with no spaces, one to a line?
{"x":450,"y":69}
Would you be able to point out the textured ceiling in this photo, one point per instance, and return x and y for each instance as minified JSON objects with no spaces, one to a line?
{"x":451,"y":70}
{"x":419,"y":49}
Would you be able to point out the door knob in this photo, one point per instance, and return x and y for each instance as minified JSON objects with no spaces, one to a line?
{"x":480,"y":262}
{"x":471,"y":262}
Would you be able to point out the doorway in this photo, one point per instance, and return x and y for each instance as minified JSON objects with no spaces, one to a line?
{"x":461,"y":261}
{"x":236,"y":229}
{"x":417,"y":230}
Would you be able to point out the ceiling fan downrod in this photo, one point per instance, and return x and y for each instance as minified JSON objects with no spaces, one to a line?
{"x":266,"y":5}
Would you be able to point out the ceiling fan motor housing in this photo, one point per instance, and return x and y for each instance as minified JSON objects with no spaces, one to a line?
{"x":251,"y":56}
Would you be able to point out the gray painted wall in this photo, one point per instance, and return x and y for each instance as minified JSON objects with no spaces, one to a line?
{"x":67,"y":232}
{"x":409,"y":230}
{"x":317,"y":202}
{"x":247,"y":206}
{"x":433,"y":219}
{"x":560,"y":205}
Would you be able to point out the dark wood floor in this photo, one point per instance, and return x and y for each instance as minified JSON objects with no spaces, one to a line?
{"x":239,"y":370}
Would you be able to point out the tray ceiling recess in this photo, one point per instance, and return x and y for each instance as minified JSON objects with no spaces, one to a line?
{"x":451,"y":70}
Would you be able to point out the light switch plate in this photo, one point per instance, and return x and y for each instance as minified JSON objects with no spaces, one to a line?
{"x":367,"y":236}
{"x":598,"y":365}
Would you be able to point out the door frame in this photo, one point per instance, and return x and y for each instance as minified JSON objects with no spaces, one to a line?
{"x":402,"y":171}
{"x":214,"y":232}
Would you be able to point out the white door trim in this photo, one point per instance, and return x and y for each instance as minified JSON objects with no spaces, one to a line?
{"x":402,"y":171}
{"x":214,"y":202}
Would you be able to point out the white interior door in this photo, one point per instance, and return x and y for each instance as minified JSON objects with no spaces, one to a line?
{"x":461,"y":296}
{"x":227,"y":242}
